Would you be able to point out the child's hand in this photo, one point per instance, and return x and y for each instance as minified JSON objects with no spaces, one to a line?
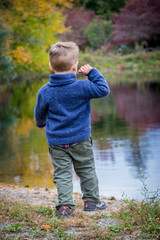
{"x":85,"y":69}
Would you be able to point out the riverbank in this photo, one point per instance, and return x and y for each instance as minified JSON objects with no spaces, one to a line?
{"x":141,"y":67}
{"x":128,"y":68}
{"x":29,"y":213}
{"x":114,"y":62}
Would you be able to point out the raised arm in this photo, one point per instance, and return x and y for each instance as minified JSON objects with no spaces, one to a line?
{"x":97,"y":87}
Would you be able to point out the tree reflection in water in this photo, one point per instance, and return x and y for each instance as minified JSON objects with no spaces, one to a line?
{"x":125,"y":129}
{"x":137,"y":113}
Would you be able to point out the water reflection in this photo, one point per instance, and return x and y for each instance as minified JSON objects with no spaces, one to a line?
{"x":125,"y":129}
{"x":139,"y":107}
{"x":134,"y":133}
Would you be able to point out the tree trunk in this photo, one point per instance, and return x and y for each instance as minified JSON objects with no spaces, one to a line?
{"x":136,"y":45}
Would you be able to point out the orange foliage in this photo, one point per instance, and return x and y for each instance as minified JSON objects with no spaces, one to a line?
{"x":33,"y":26}
{"x":20,"y":56}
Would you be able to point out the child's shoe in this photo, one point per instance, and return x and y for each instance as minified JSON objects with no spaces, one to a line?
{"x":65,"y":211}
{"x":90,"y":206}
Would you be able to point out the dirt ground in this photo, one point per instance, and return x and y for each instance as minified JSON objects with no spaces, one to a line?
{"x":47,"y":197}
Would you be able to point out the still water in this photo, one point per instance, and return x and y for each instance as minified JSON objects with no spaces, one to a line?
{"x":126,"y":140}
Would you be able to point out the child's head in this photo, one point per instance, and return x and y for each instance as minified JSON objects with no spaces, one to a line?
{"x":63,"y":55}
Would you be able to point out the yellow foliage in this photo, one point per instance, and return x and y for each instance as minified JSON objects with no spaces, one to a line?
{"x":33,"y":25}
{"x":20,"y":56}
{"x":67,"y":4}
{"x":25,"y":126}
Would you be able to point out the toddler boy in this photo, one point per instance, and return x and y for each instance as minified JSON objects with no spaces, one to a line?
{"x":63,"y":108}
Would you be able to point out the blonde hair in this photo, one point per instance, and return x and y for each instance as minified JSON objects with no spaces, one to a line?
{"x":63,"y":55}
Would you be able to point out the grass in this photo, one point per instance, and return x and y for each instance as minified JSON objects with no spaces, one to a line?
{"x":136,"y":220}
{"x":25,"y":221}
{"x":114,"y":62}
{"x":141,"y":66}
{"x":142,"y":218}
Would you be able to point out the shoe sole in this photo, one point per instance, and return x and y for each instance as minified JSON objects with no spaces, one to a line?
{"x":64,"y":216}
{"x":91,"y":210}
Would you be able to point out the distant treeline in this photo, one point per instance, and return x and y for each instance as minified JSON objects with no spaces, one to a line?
{"x":111,"y":23}
{"x":29,"y":28}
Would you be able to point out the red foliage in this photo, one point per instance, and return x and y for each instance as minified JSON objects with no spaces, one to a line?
{"x":138,"y":20}
{"x":139,"y":109}
{"x":78,"y":20}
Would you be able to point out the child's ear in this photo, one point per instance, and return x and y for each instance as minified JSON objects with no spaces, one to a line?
{"x":51,"y":67}
{"x":75,"y":66}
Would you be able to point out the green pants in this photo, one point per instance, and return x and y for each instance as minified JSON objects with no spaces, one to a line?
{"x":81,"y":156}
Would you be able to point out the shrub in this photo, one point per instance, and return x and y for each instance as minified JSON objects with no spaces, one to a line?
{"x":98,"y":33}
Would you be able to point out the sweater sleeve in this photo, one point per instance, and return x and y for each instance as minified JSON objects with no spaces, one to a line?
{"x":40,"y":111}
{"x":98,"y":86}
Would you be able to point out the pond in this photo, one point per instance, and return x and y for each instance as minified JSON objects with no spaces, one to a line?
{"x":125,"y":131}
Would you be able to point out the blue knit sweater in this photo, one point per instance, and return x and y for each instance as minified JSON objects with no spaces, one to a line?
{"x":63,"y":106}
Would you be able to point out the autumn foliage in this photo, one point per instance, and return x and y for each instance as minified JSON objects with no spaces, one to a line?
{"x":137,"y":21}
{"x":32,"y":26}
{"x":29,"y":28}
{"x":77,"y":20}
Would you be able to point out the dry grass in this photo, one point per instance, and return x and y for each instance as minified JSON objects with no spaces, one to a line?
{"x":121,"y":220}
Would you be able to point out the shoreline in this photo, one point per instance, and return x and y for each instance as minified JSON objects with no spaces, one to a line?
{"x":38,"y":196}
{"x":29,"y":213}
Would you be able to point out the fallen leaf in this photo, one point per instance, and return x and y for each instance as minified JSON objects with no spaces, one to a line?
{"x":11,"y":185}
{"x":45,"y":227}
{"x":27,"y":186}
{"x":112,"y":198}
